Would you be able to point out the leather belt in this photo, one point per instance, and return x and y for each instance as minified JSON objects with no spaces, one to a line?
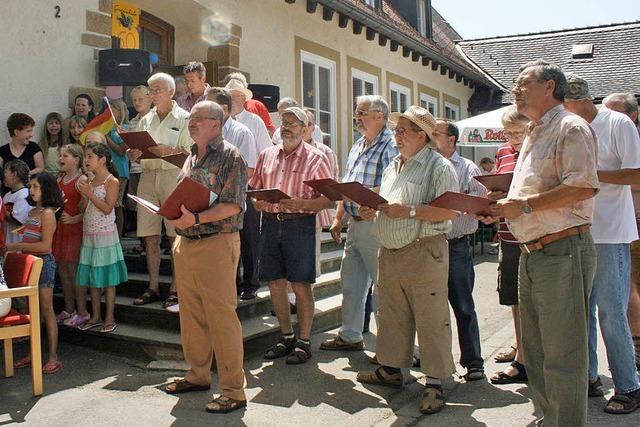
{"x":357,"y":218}
{"x":201,"y":236}
{"x":457,"y":239}
{"x":282,"y":216}
{"x":539,"y":244}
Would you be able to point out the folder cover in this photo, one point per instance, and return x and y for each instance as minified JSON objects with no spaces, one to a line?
{"x":463,"y":203}
{"x":499,"y":182}
{"x":175,"y":156}
{"x":141,"y":140}
{"x":360,"y":194}
{"x":193,"y":195}
{"x":325,"y":187}
{"x":271,"y":195}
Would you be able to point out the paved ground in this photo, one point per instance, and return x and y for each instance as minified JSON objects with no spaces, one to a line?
{"x":98,"y":389}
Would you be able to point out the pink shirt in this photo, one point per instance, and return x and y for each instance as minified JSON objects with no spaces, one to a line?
{"x":287,"y":173}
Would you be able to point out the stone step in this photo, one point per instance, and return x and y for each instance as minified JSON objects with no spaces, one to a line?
{"x":140,"y":340}
{"x":155,"y":316}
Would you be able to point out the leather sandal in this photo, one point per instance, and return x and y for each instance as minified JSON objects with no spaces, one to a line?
{"x":338,"y":344}
{"x":503,"y":378}
{"x":380,"y":377}
{"x":300,"y":354}
{"x":282,"y":348}
{"x":594,"y":388}
{"x":184,"y":386}
{"x":474,"y":374}
{"x":506,"y":356}
{"x":433,"y":399}
{"x":224,"y":405}
{"x":147,"y":297}
{"x":629,"y":402}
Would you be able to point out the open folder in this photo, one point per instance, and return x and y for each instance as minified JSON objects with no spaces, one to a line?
{"x":325,"y":187}
{"x":270,"y":195}
{"x":360,"y":194}
{"x":463,"y":203}
{"x":144,"y":142}
{"x":499,"y":182}
{"x":193,"y":195}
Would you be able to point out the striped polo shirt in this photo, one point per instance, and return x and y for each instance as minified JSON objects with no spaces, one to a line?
{"x":423,"y":177}
{"x":506,"y":159}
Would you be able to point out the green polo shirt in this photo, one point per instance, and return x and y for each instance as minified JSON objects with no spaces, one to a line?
{"x":423,"y":177}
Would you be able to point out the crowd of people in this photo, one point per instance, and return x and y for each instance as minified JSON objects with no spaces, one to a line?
{"x":561,"y":256}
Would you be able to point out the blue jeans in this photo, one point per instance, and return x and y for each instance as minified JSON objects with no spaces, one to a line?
{"x":611,"y":287}
{"x":461,"y":281}
{"x":359,"y":268}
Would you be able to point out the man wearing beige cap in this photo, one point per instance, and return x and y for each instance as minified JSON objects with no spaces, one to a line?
{"x":413,"y":263}
{"x":618,"y":167}
{"x":239,"y":95}
{"x":549,"y":209}
{"x":287,"y":236}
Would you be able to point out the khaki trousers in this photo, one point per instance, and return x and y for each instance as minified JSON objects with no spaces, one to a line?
{"x":205,"y":275}
{"x":413,"y":297}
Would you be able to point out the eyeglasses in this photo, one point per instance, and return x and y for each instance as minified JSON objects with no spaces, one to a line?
{"x":401,"y":131}
{"x":521,"y":83}
{"x":157,"y":91}
{"x":199,"y":119}
{"x":360,"y":113}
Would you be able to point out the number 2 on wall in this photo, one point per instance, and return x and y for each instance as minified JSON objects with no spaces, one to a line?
{"x":57,"y":9}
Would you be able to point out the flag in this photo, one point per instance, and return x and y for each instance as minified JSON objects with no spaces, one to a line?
{"x":102,"y":123}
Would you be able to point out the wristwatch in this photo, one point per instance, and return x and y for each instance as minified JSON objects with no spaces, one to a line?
{"x":197,"y":217}
{"x":526,"y":207}
{"x":412,"y":211}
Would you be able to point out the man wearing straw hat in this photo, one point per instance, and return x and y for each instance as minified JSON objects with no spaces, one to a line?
{"x":413,"y":264}
{"x":239,"y":95}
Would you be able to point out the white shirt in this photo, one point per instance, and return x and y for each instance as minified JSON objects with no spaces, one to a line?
{"x":16,"y":202}
{"x":172,"y":131}
{"x":618,"y":148}
{"x":241,"y":137}
{"x":316,"y":135}
{"x":465,"y":170}
{"x":257,"y":128}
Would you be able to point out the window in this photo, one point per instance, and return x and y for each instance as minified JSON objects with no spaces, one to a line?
{"x":400,"y":96}
{"x":451,"y":111}
{"x":422,"y":17}
{"x":371,"y":3}
{"x":362,"y":84}
{"x":319,"y":93}
{"x":157,"y":36}
{"x":430,"y":103}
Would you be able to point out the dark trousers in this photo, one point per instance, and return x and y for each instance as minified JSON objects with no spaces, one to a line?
{"x":461,"y":281}
{"x":247,"y":275}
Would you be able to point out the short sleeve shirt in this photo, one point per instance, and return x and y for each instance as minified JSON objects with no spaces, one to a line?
{"x":224,"y":172}
{"x":26,"y":156}
{"x":258,"y":108}
{"x":257,"y":128}
{"x":241,"y":137}
{"x":560,"y":149}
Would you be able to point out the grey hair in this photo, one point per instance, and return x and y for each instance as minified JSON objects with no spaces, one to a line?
{"x":547,"y":71}
{"x":511,"y":116}
{"x":165,"y":78}
{"x":235,"y":76}
{"x":310,"y":114}
{"x":195,"y":67}
{"x":628,"y":99}
{"x":214,"y":109}
{"x":141,"y":88}
{"x":289,"y":102}
{"x":376,"y":103}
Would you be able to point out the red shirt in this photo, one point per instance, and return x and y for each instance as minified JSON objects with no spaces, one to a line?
{"x":275,"y":170}
{"x":256,"y":107}
{"x":506,"y":159}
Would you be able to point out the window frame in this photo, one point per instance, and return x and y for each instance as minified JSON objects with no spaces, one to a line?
{"x":320,"y":61}
{"x":166,"y":58}
{"x":429,"y":99}
{"x":399,"y":89}
{"x":452,"y":107}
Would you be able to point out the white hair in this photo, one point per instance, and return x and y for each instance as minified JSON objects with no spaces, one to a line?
{"x":287,"y":102}
{"x":235,"y":76}
{"x":376,"y":103}
{"x":628,"y":100}
{"x":165,"y":78}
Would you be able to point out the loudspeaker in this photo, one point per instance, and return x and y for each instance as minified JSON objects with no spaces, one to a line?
{"x":269,"y":95}
{"x":123,"y":67}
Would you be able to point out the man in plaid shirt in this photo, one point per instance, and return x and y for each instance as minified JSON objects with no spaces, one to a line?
{"x":368,"y":157}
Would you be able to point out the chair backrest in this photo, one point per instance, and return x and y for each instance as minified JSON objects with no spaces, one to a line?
{"x":21,"y":269}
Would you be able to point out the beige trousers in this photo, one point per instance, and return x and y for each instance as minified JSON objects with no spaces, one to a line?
{"x":412,"y":292}
{"x":205,"y":276}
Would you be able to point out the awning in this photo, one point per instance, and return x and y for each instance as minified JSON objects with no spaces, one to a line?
{"x":483,"y":130}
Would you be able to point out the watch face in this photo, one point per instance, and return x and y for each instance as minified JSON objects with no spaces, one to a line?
{"x":526,"y":208}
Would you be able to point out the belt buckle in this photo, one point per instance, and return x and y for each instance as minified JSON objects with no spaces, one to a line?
{"x":525,"y":248}
{"x":279,"y":216}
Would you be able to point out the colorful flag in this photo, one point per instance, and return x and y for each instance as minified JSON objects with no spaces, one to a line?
{"x":102,"y":123}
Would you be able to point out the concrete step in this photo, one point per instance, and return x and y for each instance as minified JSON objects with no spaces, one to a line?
{"x":140,"y":340}
{"x":155,"y":316}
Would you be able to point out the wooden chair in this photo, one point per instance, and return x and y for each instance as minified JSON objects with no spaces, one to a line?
{"x":22,"y":273}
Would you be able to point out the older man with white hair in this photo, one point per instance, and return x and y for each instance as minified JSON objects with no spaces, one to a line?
{"x":167,"y":124}
{"x":252,"y":105}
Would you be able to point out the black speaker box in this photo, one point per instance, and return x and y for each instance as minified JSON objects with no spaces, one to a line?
{"x":123,"y":67}
{"x":269,"y":95}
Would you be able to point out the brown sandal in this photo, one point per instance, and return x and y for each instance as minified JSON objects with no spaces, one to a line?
{"x":506,"y":356}
{"x":184,"y":386}
{"x":433,"y":399}
{"x":380,"y":377}
{"x":147,"y":297}
{"x":224,"y":405}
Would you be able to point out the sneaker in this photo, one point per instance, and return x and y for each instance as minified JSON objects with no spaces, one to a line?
{"x":76,"y":320}
{"x":64,"y":315}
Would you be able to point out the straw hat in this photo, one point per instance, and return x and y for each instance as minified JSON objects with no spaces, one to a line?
{"x":236,"y":85}
{"x":419,"y":116}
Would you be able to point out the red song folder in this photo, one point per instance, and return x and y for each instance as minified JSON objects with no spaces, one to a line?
{"x":193,"y":195}
{"x":463,"y":203}
{"x":499,"y":182}
{"x":141,"y":140}
{"x":360,"y":194}
{"x":325,"y":187}
{"x":175,"y":156}
{"x":271,"y":195}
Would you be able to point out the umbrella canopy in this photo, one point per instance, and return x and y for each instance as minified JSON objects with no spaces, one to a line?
{"x":483,"y":130}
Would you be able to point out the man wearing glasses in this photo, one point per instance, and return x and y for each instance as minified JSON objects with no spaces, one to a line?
{"x":549,"y":209}
{"x":461,"y":272}
{"x":368,"y":157}
{"x":207,"y":246}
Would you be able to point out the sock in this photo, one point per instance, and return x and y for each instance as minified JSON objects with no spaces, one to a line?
{"x":292,"y":299}
{"x":434,"y":381}
{"x":289,"y":336}
{"x":307,"y":341}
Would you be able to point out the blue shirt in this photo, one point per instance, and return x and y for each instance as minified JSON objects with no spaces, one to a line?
{"x":366,"y":166}
{"x":121,"y":162}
